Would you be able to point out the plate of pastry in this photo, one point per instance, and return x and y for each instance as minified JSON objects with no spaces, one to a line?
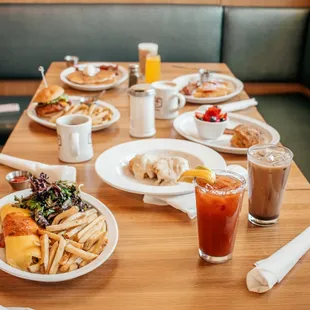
{"x":218,"y":88}
{"x":153,"y":166}
{"x":233,"y":133}
{"x":96,"y":76}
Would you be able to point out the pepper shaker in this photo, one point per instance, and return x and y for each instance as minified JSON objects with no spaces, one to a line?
{"x":133,"y":74}
{"x":142,"y":111}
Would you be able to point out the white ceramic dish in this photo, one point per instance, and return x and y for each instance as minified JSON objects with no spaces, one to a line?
{"x":31,"y":112}
{"x":185,"y":126}
{"x":183,"y":80}
{"x":123,"y":77}
{"x":112,"y":165}
{"x":107,"y":252}
{"x":210,"y":130}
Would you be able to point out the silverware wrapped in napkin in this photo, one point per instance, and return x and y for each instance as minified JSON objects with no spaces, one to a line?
{"x":273,"y":269}
{"x":55,"y":172}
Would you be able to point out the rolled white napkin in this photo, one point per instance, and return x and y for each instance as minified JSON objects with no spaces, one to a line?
{"x":233,"y":106}
{"x":9,"y":107}
{"x":273,"y":269}
{"x":187,"y":203}
{"x":55,"y":172}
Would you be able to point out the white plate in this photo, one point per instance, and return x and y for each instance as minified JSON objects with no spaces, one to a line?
{"x":97,"y":87}
{"x":31,"y":112}
{"x":186,"y":127}
{"x":107,"y":252}
{"x":112,"y":165}
{"x":183,"y":80}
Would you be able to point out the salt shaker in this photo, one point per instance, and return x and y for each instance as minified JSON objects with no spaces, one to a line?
{"x":142,"y":111}
{"x":133,"y":74}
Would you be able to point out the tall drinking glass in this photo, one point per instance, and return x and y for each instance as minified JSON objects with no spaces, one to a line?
{"x":218,"y":209}
{"x":268,"y":168}
{"x":144,"y":50}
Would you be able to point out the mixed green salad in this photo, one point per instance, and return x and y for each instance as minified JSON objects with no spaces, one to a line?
{"x":48,"y":199}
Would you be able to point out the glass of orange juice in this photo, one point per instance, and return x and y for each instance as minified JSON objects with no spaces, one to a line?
{"x":152,"y":68}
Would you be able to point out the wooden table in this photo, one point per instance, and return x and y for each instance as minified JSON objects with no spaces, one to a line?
{"x":156,"y":263}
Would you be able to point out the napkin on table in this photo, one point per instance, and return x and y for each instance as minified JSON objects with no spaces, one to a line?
{"x":187,"y":203}
{"x":55,"y":172}
{"x":233,"y":106}
{"x":14,"y":308}
{"x":273,"y":269}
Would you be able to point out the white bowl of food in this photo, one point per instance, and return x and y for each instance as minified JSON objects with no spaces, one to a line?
{"x":211,"y":124}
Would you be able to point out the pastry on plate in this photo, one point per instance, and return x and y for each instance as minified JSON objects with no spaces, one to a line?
{"x":245,"y":136}
{"x":141,"y":166}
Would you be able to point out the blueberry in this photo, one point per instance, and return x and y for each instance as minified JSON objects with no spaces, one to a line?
{"x":213,"y":119}
{"x":222,"y":120}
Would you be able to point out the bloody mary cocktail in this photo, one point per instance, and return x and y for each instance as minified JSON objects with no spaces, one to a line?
{"x":218,"y":208}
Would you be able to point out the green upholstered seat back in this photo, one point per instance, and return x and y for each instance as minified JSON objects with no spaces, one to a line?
{"x":305,"y":70}
{"x":33,"y":35}
{"x":264,"y":44}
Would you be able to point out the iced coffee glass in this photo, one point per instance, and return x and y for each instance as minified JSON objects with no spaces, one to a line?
{"x":268,"y":168}
{"x":144,"y":50}
{"x":218,"y":208}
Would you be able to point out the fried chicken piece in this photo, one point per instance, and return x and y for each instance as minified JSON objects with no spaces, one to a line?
{"x":245,"y":136}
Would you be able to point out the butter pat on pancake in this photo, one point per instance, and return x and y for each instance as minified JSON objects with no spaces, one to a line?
{"x":102,"y":77}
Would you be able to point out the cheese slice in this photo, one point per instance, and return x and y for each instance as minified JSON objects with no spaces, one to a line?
{"x":6,"y":209}
{"x":21,"y":250}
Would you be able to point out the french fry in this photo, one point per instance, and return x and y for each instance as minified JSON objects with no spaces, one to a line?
{"x":52,"y":255}
{"x":74,"y":217}
{"x":76,"y":244}
{"x":50,"y":234}
{"x":66,"y":266}
{"x":80,"y":253}
{"x":58,"y":256}
{"x":99,"y":246}
{"x":65,"y":214}
{"x":84,"y":261}
{"x":93,"y":239}
{"x":34,"y":268}
{"x":74,"y":109}
{"x":75,"y":230}
{"x":70,"y":233}
{"x":91,"y":109}
{"x":73,"y":267}
{"x":67,"y":225}
{"x":90,"y":232}
{"x":89,"y":226}
{"x":44,"y":240}
{"x":64,"y":259}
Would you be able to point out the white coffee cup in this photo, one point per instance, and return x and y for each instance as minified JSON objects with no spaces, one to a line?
{"x":168,"y":100}
{"x":74,"y":138}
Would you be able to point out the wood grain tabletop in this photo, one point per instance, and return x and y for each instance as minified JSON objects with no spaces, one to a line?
{"x":156,"y":263}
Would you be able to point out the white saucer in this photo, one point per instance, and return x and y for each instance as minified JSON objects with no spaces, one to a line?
{"x":183,"y":80}
{"x":112,"y":165}
{"x":186,"y":127}
{"x":96,"y":87}
{"x":31,"y":112}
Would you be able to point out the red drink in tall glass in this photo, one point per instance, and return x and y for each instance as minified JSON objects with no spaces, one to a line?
{"x":218,"y":209}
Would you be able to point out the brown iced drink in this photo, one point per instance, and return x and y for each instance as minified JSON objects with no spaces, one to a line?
{"x":268,"y":168}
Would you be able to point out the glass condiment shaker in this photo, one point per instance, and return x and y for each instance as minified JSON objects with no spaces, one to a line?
{"x":133,"y":74}
{"x":204,"y":75}
{"x":142,"y":111}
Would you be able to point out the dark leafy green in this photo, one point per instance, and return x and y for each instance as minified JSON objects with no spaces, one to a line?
{"x":48,"y":199}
